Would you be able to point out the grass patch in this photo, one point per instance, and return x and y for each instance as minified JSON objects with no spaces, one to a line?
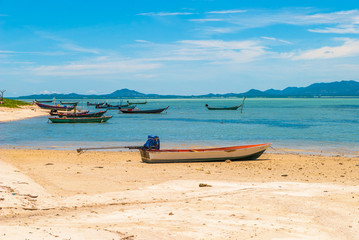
{"x":11,"y":103}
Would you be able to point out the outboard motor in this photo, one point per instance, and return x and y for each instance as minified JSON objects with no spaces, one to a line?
{"x":153,"y":142}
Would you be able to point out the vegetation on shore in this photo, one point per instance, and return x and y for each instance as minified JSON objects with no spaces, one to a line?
{"x":11,"y":103}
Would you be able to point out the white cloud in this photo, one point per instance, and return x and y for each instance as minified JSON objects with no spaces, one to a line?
{"x":142,"y":41}
{"x":6,"y":51}
{"x":227,"y":11}
{"x":218,"y":51}
{"x":339,"y":29}
{"x":47,"y":92}
{"x":165,"y":13}
{"x":339,"y":22}
{"x":95,"y":68}
{"x":220,"y":29}
{"x":207,"y":20}
{"x":276,"y":39}
{"x":91,"y":92}
{"x":76,"y":48}
{"x":349,"y":48}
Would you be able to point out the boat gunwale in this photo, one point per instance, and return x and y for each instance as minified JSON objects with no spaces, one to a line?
{"x":210,"y":149}
{"x":84,"y":118}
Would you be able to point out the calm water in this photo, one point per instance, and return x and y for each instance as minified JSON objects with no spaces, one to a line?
{"x":321,"y":123}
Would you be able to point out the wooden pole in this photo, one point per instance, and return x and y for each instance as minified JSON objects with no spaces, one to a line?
{"x":244,"y":98}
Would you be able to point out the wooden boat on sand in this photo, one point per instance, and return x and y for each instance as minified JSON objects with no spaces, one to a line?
{"x":246,"y":152}
{"x":151,"y":153}
{"x":138,"y":111}
{"x":80,"y":119}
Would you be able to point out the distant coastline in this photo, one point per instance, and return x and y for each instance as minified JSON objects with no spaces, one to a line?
{"x":341,"y":89}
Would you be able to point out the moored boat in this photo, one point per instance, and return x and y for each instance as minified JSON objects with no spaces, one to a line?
{"x":54,"y":107}
{"x":94,"y":104}
{"x":80,"y":119}
{"x":136,"y":103}
{"x":222,"y":108}
{"x":82,"y":115}
{"x":69,"y":103}
{"x":245,"y":152}
{"x":56,"y":113}
{"x":43,"y":101}
{"x":109,"y":106}
{"x":138,"y":111}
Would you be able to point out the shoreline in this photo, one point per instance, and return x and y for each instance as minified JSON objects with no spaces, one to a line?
{"x":21,"y":113}
{"x":72,"y":146}
{"x":53,"y":194}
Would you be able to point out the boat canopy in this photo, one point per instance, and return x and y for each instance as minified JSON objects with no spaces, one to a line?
{"x":153,"y":142}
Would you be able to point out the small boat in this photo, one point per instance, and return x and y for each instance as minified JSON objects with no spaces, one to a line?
{"x":222,"y":108}
{"x":227,"y":108}
{"x":151,"y":153}
{"x":56,"y":113}
{"x":82,"y":115}
{"x":110,"y":107}
{"x":136,"y":103}
{"x":127,"y":106}
{"x":80,"y":119}
{"x":43,"y":101}
{"x":69,"y":103}
{"x":54,"y":107}
{"x":245,"y":152}
{"x":138,"y":111}
{"x":94,"y":104}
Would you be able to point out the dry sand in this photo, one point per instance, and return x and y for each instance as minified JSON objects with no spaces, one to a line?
{"x":24,"y":112}
{"x":48,"y":194}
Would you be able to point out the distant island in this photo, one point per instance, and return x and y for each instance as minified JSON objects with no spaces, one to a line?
{"x":332,"y":89}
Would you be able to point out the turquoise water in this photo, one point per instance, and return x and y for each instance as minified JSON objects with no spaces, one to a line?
{"x":301,"y":123}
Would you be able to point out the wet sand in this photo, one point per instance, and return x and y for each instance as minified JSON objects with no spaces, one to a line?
{"x":48,"y":194}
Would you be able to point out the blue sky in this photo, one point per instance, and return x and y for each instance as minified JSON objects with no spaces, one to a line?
{"x":175,"y":47}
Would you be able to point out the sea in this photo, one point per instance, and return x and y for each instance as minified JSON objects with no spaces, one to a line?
{"x":313,"y":125}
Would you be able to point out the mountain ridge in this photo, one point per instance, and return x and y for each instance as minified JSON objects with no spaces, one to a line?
{"x":332,"y":89}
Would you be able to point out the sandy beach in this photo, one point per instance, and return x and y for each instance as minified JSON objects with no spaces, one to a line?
{"x":48,"y":194}
{"x":24,"y":112}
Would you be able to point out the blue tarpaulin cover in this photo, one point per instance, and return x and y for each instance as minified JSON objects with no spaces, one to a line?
{"x":153,"y":142}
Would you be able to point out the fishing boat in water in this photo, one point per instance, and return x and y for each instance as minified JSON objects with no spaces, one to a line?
{"x":43,"y":101}
{"x":94,"y":104}
{"x":227,"y":108}
{"x":56,"y":113}
{"x":69,"y":103}
{"x":101,"y":119}
{"x":55,"y":107}
{"x":114,"y":107}
{"x":82,"y":114}
{"x":139,"y":111}
{"x":222,"y":108}
{"x":136,"y":103}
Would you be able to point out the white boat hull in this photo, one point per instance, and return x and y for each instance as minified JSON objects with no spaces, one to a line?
{"x":204,"y":155}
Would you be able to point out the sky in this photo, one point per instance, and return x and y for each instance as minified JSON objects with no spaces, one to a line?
{"x":175,"y":47}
